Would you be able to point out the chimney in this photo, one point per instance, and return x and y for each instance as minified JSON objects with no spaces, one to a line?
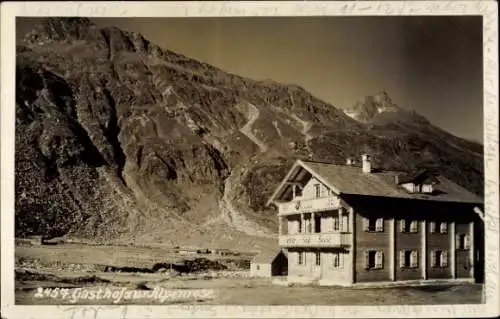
{"x":367,"y":166}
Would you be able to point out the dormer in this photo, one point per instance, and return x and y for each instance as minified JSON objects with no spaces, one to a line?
{"x":421,"y":182}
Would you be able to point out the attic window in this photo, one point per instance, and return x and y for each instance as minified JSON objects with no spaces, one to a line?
{"x":421,"y":182}
{"x":418,"y":188}
{"x":317,"y":190}
{"x":427,"y":188}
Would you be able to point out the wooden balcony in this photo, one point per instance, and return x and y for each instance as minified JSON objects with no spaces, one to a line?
{"x":336,"y":239}
{"x":297,"y":206}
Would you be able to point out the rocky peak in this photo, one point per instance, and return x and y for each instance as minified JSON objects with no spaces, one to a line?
{"x":378,"y":109}
{"x":383,"y":99}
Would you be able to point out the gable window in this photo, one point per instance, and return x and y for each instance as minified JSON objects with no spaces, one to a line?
{"x":463,"y":242}
{"x":408,"y":259}
{"x":374,"y":259}
{"x":407,"y":226}
{"x":318,"y":259}
{"x":374,"y":224}
{"x":300,"y":258}
{"x":439,"y":258}
{"x":298,"y":191}
{"x":337,"y":260}
{"x":317,"y":190}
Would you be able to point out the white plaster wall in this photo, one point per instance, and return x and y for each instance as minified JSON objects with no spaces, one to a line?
{"x":263,"y":271}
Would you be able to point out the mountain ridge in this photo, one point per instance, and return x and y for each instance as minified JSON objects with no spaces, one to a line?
{"x":119,"y":139}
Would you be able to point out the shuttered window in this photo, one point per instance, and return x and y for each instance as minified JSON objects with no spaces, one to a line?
{"x":414,"y":226}
{"x":373,"y":224}
{"x":463,"y":241}
{"x":374,"y":259}
{"x":318,"y":259}
{"x":432,"y":227}
{"x":366,"y":224}
{"x":406,"y":226}
{"x":414,"y":259}
{"x":439,"y":258}
{"x":444,"y":259}
{"x":379,"y":260}
{"x":402,"y":225}
{"x":433,"y":259}
{"x":467,"y":242}
{"x":443,"y":228}
{"x":408,"y":259}
{"x":402,"y":259}
{"x":300,"y":258}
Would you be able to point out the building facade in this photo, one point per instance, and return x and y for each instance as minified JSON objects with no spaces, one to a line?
{"x":344,"y":224}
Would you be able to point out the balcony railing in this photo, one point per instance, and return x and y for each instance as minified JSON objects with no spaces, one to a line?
{"x":309,"y":205}
{"x":338,"y":239}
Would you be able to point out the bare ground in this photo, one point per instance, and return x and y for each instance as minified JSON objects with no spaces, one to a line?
{"x":77,"y":266}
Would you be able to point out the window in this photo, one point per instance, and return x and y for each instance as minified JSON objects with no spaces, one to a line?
{"x":257,"y":267}
{"x":427,"y":188}
{"x":463,"y":241}
{"x":317,"y":190}
{"x":318,"y":259}
{"x":374,"y":224}
{"x":439,"y":258}
{"x":301,"y":258}
{"x":408,"y":259}
{"x":374,"y":259}
{"x":414,"y":226}
{"x":317,"y":223}
{"x":337,"y":262}
{"x":298,"y":191}
{"x":336,"y":224}
{"x":407,"y":226}
{"x":300,"y":226}
{"x":441,"y":227}
{"x":308,"y":225}
{"x":344,"y":223}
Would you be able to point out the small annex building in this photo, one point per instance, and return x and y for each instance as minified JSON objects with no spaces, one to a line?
{"x":269,"y":263}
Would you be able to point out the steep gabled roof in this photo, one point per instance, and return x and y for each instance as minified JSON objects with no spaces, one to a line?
{"x":344,"y":179}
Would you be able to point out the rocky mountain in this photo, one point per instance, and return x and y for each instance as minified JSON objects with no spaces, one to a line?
{"x":118,"y":139}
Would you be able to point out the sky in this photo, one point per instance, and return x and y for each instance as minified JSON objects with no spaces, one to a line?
{"x":431,"y":64}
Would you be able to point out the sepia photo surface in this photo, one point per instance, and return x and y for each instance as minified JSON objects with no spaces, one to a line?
{"x":334,"y":159}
